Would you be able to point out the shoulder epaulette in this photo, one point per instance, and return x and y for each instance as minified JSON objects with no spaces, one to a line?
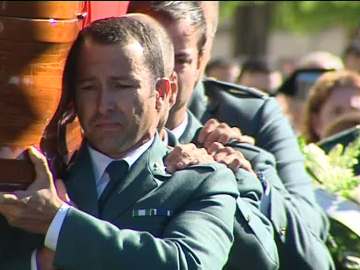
{"x":232,"y":88}
{"x":206,"y":167}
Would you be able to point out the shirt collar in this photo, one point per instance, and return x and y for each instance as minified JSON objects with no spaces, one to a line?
{"x":165,"y":138}
{"x":180,"y":129}
{"x":100,"y":161}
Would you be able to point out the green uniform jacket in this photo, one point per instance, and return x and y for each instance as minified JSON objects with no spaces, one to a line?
{"x":16,"y":247}
{"x":254,"y":246}
{"x":299,"y":247}
{"x":156,"y":221}
{"x":260,"y":116}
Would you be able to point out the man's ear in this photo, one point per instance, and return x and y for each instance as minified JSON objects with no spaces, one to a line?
{"x":163,"y":90}
{"x":163,"y":87}
{"x":200,"y":60}
{"x":174,"y":88}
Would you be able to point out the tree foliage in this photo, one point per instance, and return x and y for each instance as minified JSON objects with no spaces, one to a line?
{"x":304,"y":16}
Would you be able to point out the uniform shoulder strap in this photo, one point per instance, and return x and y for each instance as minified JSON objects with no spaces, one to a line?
{"x":232,"y":88}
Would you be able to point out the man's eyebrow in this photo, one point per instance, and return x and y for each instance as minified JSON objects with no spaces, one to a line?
{"x":182,"y":54}
{"x":84,"y":79}
{"x":125,"y":79}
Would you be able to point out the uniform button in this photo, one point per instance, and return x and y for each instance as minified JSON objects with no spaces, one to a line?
{"x":282,"y":231}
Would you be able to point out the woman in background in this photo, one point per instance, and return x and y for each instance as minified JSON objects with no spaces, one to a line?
{"x":334,"y":94}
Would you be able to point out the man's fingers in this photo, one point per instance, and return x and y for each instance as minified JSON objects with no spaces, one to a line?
{"x":236,"y":133}
{"x":224,"y":138}
{"x":208,"y":128}
{"x":10,"y":205}
{"x":226,"y":150}
{"x":61,"y":190}
{"x":184,"y":163}
{"x":247,"y":139}
{"x":245,"y":164}
{"x":8,"y":198}
{"x":220,"y":156}
{"x":221,"y":129}
{"x":214,"y":148}
{"x":178,"y":158}
{"x":222,"y":133}
{"x":232,"y":163}
{"x":186,"y":155}
{"x":231,"y":158}
{"x":212,"y":137}
{"x":40,"y":163}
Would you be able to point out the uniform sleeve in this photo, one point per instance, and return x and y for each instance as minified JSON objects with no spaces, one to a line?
{"x":277,"y":137}
{"x":197,"y":237}
{"x":299,"y":246}
{"x":16,"y":263}
{"x":14,"y":254}
{"x":249,"y":187}
{"x":256,"y":250}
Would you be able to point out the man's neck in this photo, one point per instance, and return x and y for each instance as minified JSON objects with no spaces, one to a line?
{"x":101,"y":160}
{"x":176,"y":118}
{"x":121,"y":154}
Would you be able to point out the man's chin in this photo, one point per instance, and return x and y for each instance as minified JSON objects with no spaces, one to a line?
{"x":108,"y":142}
{"x":111,"y":149}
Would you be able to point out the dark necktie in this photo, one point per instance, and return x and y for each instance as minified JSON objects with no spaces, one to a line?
{"x":117,"y":171}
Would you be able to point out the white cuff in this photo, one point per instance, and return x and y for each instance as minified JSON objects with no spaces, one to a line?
{"x":33,"y":260}
{"x":53,"y":232}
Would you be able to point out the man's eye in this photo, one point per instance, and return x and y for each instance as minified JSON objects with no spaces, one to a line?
{"x":123,"y":86}
{"x":86,"y":87}
{"x":182,"y":61}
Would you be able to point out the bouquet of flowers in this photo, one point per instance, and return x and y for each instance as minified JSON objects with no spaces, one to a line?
{"x":338,"y":192}
{"x":334,"y":171}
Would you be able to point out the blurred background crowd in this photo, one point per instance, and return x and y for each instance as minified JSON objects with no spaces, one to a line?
{"x":305,"y":53}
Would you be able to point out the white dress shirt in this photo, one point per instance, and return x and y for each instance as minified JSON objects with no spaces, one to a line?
{"x":101,"y":161}
{"x":180,"y":129}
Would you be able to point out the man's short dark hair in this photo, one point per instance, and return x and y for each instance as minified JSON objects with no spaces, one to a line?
{"x":118,"y":30}
{"x":256,"y":65}
{"x":219,"y":62}
{"x":115,"y":30}
{"x":174,"y":11}
{"x":353,"y":48}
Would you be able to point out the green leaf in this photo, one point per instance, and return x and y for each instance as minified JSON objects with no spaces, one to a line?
{"x":335,"y":169}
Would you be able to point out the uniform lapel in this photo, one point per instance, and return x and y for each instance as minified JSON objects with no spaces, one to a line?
{"x":213,"y":101}
{"x":198,"y":101}
{"x":172,"y":140}
{"x":139,"y":181}
{"x":191,"y":130}
{"x":80,"y":182}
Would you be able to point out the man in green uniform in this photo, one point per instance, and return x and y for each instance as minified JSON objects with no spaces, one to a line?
{"x":289,"y":203}
{"x":131,"y":213}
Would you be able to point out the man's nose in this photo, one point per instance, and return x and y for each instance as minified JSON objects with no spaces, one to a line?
{"x":106,"y":102}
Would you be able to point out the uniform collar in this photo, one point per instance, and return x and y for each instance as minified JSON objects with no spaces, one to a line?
{"x":100,"y":161}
